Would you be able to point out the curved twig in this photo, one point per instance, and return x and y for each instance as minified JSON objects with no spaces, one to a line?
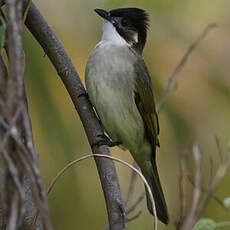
{"x":61,"y":172}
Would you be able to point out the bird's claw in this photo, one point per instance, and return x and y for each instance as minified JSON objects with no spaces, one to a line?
{"x":104,"y":140}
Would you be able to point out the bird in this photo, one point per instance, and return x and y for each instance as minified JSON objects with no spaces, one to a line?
{"x":120,"y":89}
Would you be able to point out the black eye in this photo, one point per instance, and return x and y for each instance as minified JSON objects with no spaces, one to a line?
{"x":124,"y":21}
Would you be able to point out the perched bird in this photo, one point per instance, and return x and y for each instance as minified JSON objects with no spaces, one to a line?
{"x":120,"y":89}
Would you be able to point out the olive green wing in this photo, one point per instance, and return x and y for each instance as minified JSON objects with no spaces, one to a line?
{"x":145,"y":102}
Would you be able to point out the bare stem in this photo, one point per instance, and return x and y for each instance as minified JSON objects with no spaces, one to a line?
{"x":190,"y":219}
{"x":172,"y":79}
{"x":182,"y":183}
{"x":131,"y":184}
{"x":216,"y":181}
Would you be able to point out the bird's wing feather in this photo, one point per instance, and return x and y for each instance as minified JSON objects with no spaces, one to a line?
{"x":145,"y":102}
{"x":146,"y":106}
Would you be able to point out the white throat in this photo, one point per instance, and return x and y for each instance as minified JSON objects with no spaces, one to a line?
{"x":110,"y":34}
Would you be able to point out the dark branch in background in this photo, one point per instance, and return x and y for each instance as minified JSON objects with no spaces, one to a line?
{"x":62,"y":63}
{"x":20,"y":176}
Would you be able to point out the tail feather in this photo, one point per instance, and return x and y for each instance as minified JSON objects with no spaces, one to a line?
{"x":153,"y":180}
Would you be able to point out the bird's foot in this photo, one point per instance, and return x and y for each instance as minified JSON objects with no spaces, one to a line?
{"x":104,"y":140}
{"x":83,"y":94}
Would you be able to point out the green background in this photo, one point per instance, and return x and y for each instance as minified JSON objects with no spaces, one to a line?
{"x":196,"y":112}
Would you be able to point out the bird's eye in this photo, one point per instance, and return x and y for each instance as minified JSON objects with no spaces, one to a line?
{"x":124,"y":22}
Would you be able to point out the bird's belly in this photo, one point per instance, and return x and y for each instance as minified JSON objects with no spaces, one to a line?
{"x":119,"y":116}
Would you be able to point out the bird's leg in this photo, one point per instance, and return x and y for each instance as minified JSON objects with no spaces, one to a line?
{"x":102,"y":139}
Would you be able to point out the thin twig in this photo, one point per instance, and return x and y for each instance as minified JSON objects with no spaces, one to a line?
{"x":3,"y":76}
{"x":216,"y":181}
{"x":134,"y":217}
{"x":213,"y":196}
{"x":198,"y":204}
{"x":211,"y":170}
{"x":182,"y":185}
{"x":219,"y":148}
{"x":197,"y":190}
{"x":13,"y":172}
{"x":14,"y":212}
{"x":131,"y":185}
{"x":115,"y":159}
{"x":190,"y":219}
{"x":173,"y":77}
{"x":26,"y":11}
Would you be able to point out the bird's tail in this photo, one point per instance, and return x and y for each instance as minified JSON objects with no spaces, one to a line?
{"x":152,"y":177}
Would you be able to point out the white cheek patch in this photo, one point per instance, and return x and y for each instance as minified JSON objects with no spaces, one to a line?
{"x":135,"y":37}
{"x":110,"y":34}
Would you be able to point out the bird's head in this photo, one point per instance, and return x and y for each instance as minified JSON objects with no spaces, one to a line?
{"x":129,"y":23}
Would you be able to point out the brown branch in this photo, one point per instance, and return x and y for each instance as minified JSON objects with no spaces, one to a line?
{"x":61,"y":61}
{"x":13,"y":187}
{"x":191,"y":217}
{"x":173,"y":78}
{"x":19,"y":161}
{"x":131,"y":208}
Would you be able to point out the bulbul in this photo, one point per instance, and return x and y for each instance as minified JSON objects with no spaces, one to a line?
{"x":120,"y":89}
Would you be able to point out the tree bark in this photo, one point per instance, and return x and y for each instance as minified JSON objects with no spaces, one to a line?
{"x":21,"y":186}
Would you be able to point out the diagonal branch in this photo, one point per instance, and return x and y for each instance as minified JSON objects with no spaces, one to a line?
{"x":65,"y":69}
{"x":174,"y":75}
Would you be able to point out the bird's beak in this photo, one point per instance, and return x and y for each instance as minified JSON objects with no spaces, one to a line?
{"x":103,"y":13}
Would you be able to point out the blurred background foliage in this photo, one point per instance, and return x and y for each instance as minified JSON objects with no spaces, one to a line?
{"x":196,"y":112}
